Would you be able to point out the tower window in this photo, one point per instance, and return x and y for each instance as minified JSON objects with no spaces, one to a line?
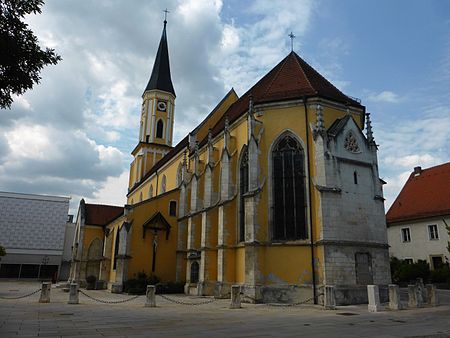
{"x":159,"y":129}
{"x":289,"y":194}
{"x":243,"y":188}
{"x":355,"y":177}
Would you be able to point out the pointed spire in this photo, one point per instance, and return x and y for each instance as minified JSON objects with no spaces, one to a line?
{"x":369,"y":129}
{"x":160,"y":78}
{"x":320,"y":126}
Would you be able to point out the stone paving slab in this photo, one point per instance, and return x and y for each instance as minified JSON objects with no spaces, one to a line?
{"x":28,"y":318}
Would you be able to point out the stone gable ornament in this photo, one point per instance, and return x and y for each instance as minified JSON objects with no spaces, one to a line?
{"x":351,"y":144}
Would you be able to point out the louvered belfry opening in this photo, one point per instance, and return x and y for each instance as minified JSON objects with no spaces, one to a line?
{"x":289,"y":195}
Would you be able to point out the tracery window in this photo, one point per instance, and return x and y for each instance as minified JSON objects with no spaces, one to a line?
{"x":159,"y":129}
{"x":351,"y":144}
{"x":288,"y":194}
{"x":243,"y":189}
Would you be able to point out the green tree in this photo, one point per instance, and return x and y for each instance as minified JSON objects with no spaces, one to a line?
{"x":21,"y":57}
{"x":2,"y":251}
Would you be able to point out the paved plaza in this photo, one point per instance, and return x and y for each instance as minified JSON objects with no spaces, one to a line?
{"x":28,"y":318}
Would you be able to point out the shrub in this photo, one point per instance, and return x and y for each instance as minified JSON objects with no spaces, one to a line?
{"x":403,"y":272}
{"x":441,"y":275}
{"x":138,"y":285}
{"x":170,"y":287}
{"x":91,"y":279}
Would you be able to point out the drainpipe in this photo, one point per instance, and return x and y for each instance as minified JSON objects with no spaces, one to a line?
{"x":310,"y":203}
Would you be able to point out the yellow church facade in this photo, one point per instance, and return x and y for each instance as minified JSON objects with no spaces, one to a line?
{"x":277,"y":191}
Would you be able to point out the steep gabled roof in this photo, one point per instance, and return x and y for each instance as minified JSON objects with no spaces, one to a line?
{"x":99,"y":214}
{"x":292,"y":78}
{"x":160,"y":78}
{"x":426,"y":193}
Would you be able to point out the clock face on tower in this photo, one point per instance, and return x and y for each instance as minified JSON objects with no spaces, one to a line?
{"x":162,"y":106}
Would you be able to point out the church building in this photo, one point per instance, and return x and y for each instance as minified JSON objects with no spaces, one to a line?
{"x":276,"y":190}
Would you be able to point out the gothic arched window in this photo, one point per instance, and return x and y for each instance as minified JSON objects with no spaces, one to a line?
{"x":159,"y":129}
{"x":150,"y":192}
{"x":163,"y":184}
{"x":195,"y":269}
{"x":288,"y":195}
{"x":116,"y":248}
{"x":243,"y":189}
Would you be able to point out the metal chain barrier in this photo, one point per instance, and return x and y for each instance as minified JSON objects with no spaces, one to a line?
{"x":187,"y":303}
{"x":108,"y":301}
{"x":285,"y":305}
{"x":24,"y":296}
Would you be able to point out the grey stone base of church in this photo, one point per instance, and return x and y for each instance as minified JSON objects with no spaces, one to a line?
{"x":357,"y":294}
{"x":222,"y":290}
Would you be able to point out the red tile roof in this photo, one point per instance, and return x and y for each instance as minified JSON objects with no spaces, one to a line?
{"x":292,"y":78}
{"x":98,"y":214}
{"x":424,"y":195}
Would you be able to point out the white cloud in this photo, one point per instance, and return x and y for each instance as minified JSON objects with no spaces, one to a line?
{"x":384,"y":96}
{"x":411,"y":161}
{"x":113,"y":191}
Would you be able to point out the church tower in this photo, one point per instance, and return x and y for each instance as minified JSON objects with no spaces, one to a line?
{"x":157,"y":115}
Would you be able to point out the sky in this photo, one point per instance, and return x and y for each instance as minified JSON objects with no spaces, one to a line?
{"x":73,"y":133}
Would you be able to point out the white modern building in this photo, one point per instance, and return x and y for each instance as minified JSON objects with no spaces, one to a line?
{"x":417,"y":221}
{"x":32,"y":230}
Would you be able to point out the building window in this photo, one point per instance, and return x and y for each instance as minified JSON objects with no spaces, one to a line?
{"x":140,"y":197}
{"x":243,"y":189}
{"x":355,"y":177}
{"x":289,"y":196}
{"x":437,"y":262}
{"x":406,"y":235}
{"x":150,"y":192}
{"x":408,"y":260}
{"x":163,"y":184}
{"x":194,"y":272}
{"x":433,"y":232}
{"x":172,"y":208}
{"x":159,"y":129}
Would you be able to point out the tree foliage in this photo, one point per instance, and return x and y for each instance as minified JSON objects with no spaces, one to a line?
{"x":2,"y":251}
{"x":21,"y":57}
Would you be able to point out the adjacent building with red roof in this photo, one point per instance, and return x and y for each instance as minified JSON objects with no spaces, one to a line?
{"x":418,"y":218}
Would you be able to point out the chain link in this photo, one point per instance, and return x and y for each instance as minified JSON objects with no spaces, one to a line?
{"x":187,"y":303}
{"x":24,"y":296}
{"x":108,"y":301}
{"x":285,"y":305}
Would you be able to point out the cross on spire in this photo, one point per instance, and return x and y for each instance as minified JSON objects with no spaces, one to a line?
{"x":292,"y":36}
{"x":165,"y":15}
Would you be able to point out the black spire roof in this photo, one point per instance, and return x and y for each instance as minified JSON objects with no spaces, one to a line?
{"x":160,"y":78}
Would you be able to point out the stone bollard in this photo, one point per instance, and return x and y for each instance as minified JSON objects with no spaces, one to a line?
{"x":373,"y":295}
{"x":414,"y":297}
{"x":329,"y":302}
{"x":235,"y":297}
{"x":45,"y":292}
{"x":150,"y":300}
{"x":73,"y":294}
{"x":431,"y":295}
{"x":394,"y":297}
